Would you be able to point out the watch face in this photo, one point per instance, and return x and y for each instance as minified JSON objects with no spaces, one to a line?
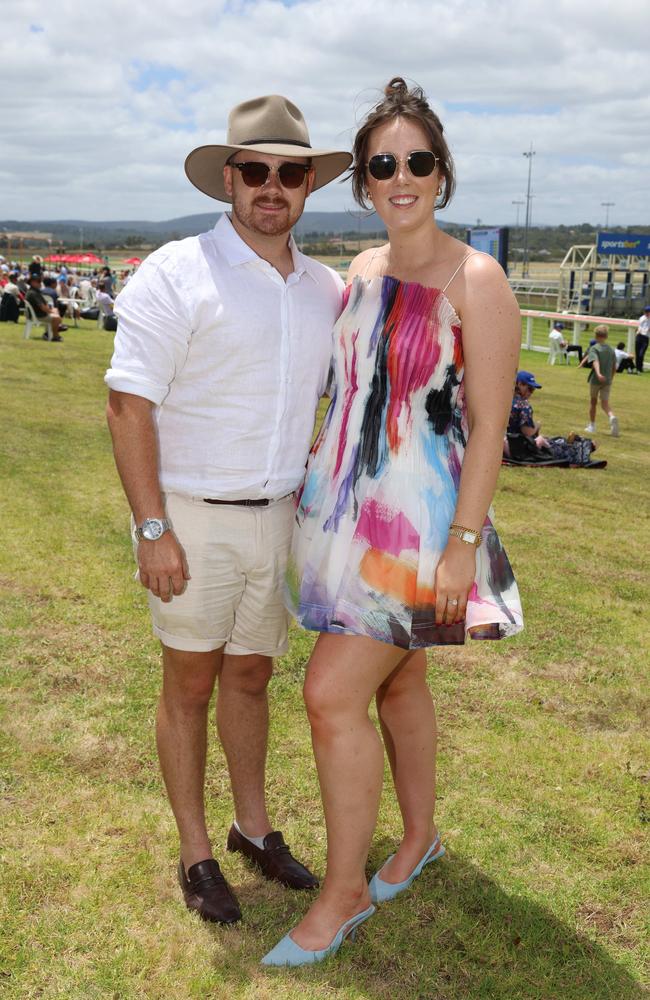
{"x":469,"y":536}
{"x":152,"y":529}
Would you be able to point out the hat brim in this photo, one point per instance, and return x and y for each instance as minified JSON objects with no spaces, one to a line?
{"x":204,"y":165}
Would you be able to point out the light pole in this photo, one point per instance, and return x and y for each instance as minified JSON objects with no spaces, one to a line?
{"x":607,"y":205}
{"x":524,"y":267}
{"x":518,"y":203}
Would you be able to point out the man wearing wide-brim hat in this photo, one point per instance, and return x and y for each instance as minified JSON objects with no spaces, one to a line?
{"x":221,"y":355}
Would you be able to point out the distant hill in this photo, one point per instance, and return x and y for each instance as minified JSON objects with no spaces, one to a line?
{"x":71,"y":231}
{"x":545,"y":242}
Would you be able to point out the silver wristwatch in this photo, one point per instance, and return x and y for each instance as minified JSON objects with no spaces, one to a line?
{"x":152,"y":528}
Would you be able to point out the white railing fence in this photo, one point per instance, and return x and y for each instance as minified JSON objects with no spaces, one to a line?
{"x":578,"y":323}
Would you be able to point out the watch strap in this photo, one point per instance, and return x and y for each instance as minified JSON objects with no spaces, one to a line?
{"x":163,"y":521}
{"x":467,"y":535}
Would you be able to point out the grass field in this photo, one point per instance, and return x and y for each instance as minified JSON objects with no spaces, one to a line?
{"x":544,"y":765}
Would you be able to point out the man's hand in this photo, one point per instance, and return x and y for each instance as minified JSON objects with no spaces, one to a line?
{"x":163,"y":566}
{"x":601,"y":378}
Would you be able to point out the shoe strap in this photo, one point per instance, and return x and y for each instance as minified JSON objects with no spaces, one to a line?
{"x":205,"y":874}
{"x":275,"y":842}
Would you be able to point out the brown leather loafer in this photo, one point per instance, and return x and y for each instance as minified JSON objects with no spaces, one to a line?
{"x":206,"y":891}
{"x":274,"y":861}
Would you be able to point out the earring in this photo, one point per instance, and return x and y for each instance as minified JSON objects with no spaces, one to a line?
{"x":368,"y":196}
{"x":440,"y":190}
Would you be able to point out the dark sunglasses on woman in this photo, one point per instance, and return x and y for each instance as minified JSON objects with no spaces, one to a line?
{"x":255,"y":174}
{"x":421,"y":163}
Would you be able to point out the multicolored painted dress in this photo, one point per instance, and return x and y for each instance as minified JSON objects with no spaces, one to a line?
{"x":380,"y":490}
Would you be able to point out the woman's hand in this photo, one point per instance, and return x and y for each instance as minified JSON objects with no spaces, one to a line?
{"x":454,"y":578}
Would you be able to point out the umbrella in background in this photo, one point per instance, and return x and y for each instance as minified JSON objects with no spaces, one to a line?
{"x":133,"y":261}
{"x":89,"y":258}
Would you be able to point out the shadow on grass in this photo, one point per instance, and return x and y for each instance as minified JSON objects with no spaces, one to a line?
{"x":456,"y":936}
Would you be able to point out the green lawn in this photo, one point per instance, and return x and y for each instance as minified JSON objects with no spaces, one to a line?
{"x":544,"y":767}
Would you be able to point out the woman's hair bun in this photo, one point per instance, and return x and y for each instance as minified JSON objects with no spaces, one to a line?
{"x":396,"y":86}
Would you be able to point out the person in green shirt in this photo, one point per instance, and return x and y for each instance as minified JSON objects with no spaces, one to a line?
{"x":603,"y":360}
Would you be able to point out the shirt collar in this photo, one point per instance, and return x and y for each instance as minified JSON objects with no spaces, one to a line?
{"x":231,"y":244}
{"x":237,"y":252}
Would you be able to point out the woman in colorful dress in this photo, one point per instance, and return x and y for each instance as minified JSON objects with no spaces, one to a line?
{"x":394,"y":548}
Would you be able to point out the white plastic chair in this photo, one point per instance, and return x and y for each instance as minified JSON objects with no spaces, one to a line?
{"x":31,"y":319}
{"x":74,"y":304}
{"x":555,"y":348}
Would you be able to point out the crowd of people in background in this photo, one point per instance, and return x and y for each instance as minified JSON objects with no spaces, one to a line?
{"x":54,"y":294}
{"x":57,"y":293}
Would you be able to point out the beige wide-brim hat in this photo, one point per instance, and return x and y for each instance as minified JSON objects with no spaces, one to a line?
{"x":271,"y":125}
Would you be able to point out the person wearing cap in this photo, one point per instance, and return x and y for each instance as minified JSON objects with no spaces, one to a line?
{"x":557,"y":335}
{"x":641,"y":339}
{"x":521,"y":420}
{"x":603,"y":368}
{"x":221,"y":356}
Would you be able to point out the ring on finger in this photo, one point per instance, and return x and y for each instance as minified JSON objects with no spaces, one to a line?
{"x":452,"y":600}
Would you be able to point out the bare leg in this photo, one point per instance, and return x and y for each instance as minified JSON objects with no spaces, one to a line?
{"x":181,"y":733}
{"x":342,"y":677}
{"x":408,"y":723}
{"x":243,"y":724}
{"x":592,"y":410}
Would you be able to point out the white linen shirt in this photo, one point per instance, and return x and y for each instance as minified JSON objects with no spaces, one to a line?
{"x":234,"y":358}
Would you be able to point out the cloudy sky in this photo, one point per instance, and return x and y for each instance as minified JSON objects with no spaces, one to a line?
{"x":101,"y":102}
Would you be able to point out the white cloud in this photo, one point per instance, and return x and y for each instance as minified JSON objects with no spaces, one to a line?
{"x":102,"y":104}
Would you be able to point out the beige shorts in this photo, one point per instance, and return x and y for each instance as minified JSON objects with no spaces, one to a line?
{"x":237,"y":559}
{"x":600,"y":388}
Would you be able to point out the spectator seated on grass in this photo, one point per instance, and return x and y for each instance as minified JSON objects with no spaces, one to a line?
{"x":624,"y":361}
{"x":525,"y":445}
{"x":521,"y":422}
{"x":43,"y":309}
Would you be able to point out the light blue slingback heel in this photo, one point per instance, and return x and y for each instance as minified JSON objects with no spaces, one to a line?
{"x":287,"y":952}
{"x":382,"y":892}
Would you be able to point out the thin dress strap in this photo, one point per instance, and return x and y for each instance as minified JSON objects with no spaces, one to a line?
{"x":466,"y":257}
{"x":365,"y":270}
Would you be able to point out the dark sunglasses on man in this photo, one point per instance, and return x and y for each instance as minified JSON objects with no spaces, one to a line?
{"x":421,"y":163}
{"x":255,"y":174}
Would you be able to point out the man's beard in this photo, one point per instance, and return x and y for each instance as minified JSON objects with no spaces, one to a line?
{"x":266,"y":225}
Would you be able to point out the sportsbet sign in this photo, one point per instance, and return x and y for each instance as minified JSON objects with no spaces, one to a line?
{"x":635,"y":246}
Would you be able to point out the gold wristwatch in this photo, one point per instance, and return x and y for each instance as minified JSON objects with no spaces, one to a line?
{"x":467,"y":535}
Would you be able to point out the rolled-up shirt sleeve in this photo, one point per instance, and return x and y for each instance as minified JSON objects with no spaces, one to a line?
{"x":153,"y":333}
